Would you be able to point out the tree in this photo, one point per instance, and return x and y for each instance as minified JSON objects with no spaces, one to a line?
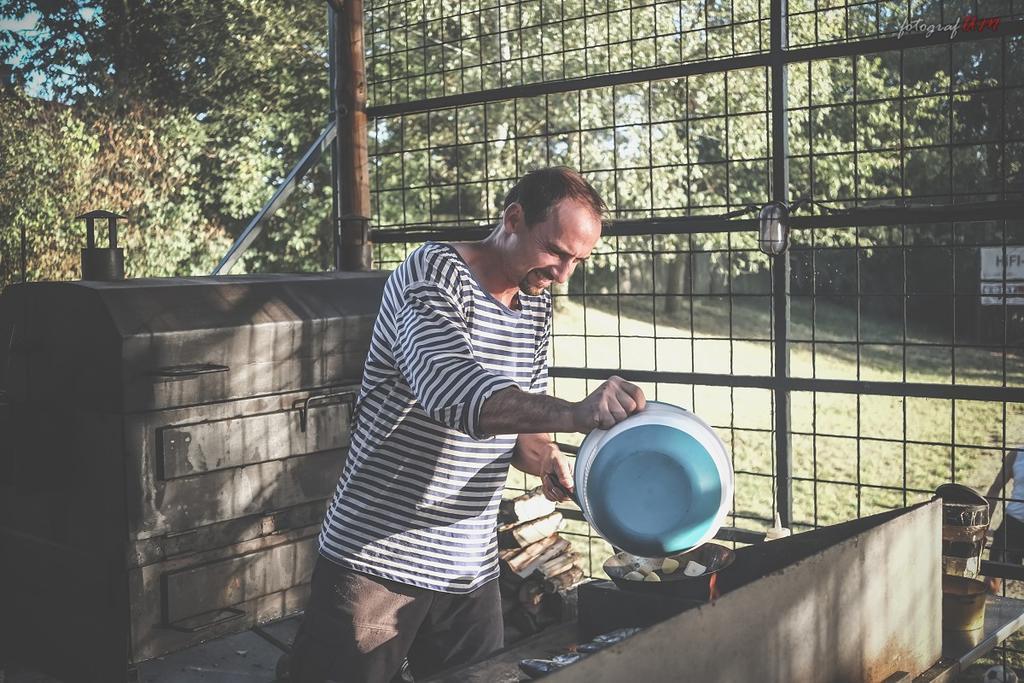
{"x":44,"y":163}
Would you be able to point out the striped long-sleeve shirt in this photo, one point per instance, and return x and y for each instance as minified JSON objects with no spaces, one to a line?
{"x":418,"y":498}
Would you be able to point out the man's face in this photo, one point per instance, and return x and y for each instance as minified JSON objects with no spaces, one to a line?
{"x":549,"y":251}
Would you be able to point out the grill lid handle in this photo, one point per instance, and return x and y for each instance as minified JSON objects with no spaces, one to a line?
{"x":343,"y":397}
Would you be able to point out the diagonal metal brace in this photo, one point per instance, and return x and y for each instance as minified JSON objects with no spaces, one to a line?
{"x":283,"y":191}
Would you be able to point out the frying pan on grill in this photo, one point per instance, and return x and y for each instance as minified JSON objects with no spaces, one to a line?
{"x":712,"y":556}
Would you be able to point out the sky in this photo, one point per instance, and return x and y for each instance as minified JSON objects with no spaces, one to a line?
{"x":36,"y":84}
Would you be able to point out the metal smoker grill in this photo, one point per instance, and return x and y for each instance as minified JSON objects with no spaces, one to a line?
{"x":168,"y":449}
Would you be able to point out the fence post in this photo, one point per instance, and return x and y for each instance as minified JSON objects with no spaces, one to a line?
{"x":349,"y":155}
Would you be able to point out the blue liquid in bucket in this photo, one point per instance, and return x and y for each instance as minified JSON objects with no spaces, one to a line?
{"x":654,"y":489}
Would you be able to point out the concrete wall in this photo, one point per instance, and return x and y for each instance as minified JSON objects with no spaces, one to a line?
{"x":858,"y":611}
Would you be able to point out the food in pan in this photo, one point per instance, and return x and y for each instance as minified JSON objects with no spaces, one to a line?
{"x":631,"y":572}
{"x":642,"y":574}
{"x":624,"y":566}
{"x":694,"y":568}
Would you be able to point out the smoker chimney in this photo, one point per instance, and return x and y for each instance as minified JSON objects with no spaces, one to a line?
{"x":100,"y":263}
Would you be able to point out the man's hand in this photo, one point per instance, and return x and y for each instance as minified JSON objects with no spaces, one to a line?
{"x":610,"y":403}
{"x":538,"y":455}
{"x":557,"y":468}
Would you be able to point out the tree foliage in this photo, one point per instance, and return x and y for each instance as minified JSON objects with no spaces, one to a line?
{"x":45,"y":153}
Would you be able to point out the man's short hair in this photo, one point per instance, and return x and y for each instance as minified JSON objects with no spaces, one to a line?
{"x":539,"y":190}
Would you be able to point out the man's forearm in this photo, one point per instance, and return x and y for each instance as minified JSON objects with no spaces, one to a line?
{"x":514,"y":411}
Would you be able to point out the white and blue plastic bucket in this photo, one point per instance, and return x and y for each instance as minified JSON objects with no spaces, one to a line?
{"x":657,"y":483}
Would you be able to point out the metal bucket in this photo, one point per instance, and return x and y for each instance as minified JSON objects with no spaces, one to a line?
{"x":963,"y":603}
{"x":965,"y":520}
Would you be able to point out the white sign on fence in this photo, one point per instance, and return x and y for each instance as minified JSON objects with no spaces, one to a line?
{"x":994,"y":284}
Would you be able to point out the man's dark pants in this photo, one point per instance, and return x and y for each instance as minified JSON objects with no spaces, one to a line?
{"x":359,"y":628}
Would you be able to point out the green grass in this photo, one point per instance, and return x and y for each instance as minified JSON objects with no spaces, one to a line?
{"x":856,"y":443}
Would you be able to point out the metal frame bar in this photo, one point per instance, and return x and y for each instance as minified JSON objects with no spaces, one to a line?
{"x":780,"y":268}
{"x":965,"y":392}
{"x":1004,"y":570}
{"x":763,"y":59}
{"x":1002,"y":210}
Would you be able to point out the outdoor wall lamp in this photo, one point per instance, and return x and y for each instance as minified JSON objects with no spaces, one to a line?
{"x":773,"y":228}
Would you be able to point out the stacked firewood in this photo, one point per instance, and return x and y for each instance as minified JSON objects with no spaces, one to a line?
{"x":538,"y":566}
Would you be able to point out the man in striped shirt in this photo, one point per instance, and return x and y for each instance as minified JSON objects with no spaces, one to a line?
{"x":454,"y":391}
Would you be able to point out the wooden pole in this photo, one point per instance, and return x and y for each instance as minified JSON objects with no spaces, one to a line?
{"x":350,"y":173}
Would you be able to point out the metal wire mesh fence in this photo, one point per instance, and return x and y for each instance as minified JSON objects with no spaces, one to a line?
{"x":419,"y":50}
{"x":654,"y":149}
{"x":886,"y":342}
{"x":814,"y":22}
